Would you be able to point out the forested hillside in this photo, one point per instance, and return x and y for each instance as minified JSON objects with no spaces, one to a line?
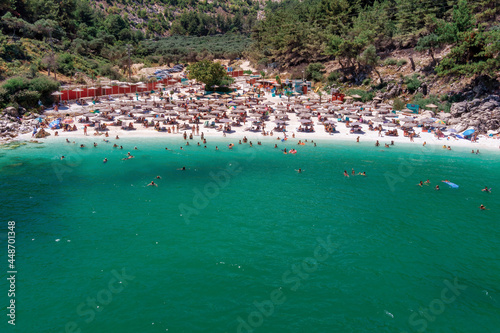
{"x":358,"y":32}
{"x":81,"y":39}
{"x":91,"y":37}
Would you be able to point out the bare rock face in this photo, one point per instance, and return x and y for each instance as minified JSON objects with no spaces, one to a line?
{"x":458,"y":108}
{"x":481,"y":114}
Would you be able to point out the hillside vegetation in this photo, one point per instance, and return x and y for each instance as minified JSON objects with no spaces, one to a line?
{"x":357,"y":32}
{"x":71,"y":36}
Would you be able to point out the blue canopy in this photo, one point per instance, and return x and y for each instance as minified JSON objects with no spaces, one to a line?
{"x":468,"y":132}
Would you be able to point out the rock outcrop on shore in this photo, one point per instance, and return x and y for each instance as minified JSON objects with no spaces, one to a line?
{"x":11,"y":123}
{"x":481,"y":114}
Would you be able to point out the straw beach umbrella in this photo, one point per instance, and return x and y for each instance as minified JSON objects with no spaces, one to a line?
{"x":94,"y":89}
{"x":58,"y":94}
{"x":77,"y":90}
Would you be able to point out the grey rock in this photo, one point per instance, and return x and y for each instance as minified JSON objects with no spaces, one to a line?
{"x":11,"y":111}
{"x":445,"y":116}
{"x":460,"y":127}
{"x":429,"y":114}
{"x":459,"y":108}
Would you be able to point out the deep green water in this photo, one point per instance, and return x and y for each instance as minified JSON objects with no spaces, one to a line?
{"x":315,"y":252}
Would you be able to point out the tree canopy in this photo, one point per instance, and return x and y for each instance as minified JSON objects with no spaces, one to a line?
{"x":208,"y":72}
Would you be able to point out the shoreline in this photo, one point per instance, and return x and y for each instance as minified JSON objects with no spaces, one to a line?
{"x":341,"y":137}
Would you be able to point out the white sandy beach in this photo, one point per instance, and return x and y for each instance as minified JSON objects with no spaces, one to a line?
{"x":341,"y":134}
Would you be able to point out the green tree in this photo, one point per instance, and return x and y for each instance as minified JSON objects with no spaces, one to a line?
{"x":370,"y":58}
{"x":315,"y":71}
{"x":428,"y":43}
{"x":208,"y":72}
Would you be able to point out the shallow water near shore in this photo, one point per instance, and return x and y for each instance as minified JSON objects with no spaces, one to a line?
{"x":241,"y":241}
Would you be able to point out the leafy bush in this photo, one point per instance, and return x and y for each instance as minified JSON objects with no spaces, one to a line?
{"x":27,"y":92}
{"x":315,"y":71}
{"x":402,"y":62}
{"x":366,"y":81}
{"x":431,"y":99}
{"x":10,"y":51}
{"x":65,"y":64}
{"x":333,"y":77}
{"x":26,"y":98}
{"x":413,"y":83}
{"x":45,"y":86}
{"x":365,"y":95}
{"x":398,"y":104}
{"x":390,"y":62}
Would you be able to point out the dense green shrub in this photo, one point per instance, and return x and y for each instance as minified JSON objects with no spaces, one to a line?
{"x":365,"y":95}
{"x":398,"y":104}
{"x":390,"y":62}
{"x":26,"y":92}
{"x":315,"y":71}
{"x":413,"y":83}
{"x":402,"y":62}
{"x":333,"y":77}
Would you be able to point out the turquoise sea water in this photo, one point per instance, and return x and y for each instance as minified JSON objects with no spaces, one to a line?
{"x":242,"y":242}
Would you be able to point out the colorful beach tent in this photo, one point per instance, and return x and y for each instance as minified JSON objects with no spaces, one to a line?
{"x":55,"y":123}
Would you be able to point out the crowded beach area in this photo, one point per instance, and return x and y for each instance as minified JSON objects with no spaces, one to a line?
{"x":253,"y":109}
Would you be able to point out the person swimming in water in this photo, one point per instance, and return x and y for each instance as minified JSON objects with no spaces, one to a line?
{"x":152,"y":184}
{"x":129,"y":156}
{"x":299,"y":171}
{"x":158,"y":177}
{"x":482,"y":207}
{"x":346,"y":174}
{"x":182,"y":169}
{"x":427,"y":181}
{"x":437,"y":187}
{"x":421,"y":183}
{"x":105,"y":160}
{"x":486,"y":189}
